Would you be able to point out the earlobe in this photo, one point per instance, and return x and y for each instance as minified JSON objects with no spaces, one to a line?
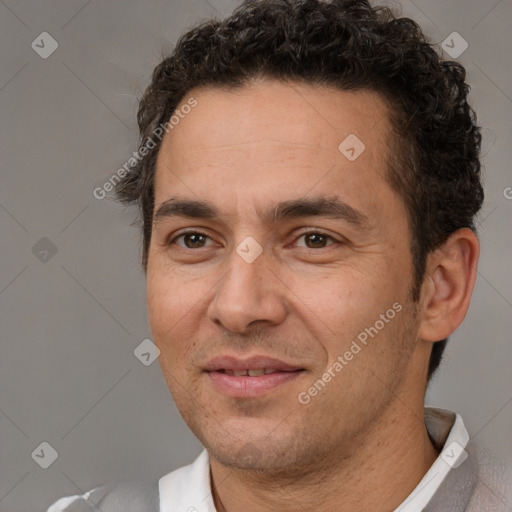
{"x":448,"y":285}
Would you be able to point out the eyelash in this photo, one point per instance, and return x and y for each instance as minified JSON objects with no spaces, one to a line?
{"x":304,"y":233}
{"x":184,"y":233}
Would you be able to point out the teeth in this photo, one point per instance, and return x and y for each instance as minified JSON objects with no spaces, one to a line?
{"x":256,"y":373}
{"x":250,"y":373}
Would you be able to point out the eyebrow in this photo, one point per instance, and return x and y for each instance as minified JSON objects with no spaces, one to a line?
{"x":329,"y":207}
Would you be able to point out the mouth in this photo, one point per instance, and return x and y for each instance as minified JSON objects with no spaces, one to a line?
{"x":250,"y":373}
{"x":249,"y":378}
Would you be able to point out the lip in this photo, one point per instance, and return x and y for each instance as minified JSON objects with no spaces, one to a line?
{"x":251,"y":363}
{"x":247,"y":386}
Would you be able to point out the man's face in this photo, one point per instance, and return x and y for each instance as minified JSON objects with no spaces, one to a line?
{"x":218,"y":307}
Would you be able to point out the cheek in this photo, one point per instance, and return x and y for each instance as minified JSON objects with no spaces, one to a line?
{"x":160,"y":302}
{"x":168,"y":295}
{"x":165,"y":306}
{"x":176,"y":306}
{"x":340,"y":298}
{"x":339,"y":307}
{"x":169,"y":333}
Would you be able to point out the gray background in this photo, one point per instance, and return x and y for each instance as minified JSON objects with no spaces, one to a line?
{"x":69,"y":325}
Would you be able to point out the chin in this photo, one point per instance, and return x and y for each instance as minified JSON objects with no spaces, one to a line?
{"x":246,"y":445}
{"x":250,"y":456}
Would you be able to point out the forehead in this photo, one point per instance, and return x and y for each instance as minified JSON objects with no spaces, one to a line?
{"x":288,"y":112}
{"x":281,"y":139}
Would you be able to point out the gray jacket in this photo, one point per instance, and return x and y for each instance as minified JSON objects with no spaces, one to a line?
{"x":478,"y":485}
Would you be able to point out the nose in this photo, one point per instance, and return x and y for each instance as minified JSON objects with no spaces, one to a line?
{"x":248,"y":294}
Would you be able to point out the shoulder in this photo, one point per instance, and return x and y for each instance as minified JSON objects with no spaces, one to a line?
{"x":125,"y":496}
{"x":493,"y":489}
{"x":182,"y":487}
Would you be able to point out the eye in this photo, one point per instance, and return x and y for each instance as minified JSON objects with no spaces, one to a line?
{"x":191,"y":240}
{"x":315,"y":239}
{"x":198,"y":240}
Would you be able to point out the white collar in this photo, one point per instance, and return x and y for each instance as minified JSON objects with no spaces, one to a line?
{"x":188,"y":489}
{"x":453,"y":454}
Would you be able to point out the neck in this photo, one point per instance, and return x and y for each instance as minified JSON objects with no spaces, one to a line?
{"x":392,"y":458}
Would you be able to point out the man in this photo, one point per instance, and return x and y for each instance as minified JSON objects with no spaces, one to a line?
{"x":308,"y":176}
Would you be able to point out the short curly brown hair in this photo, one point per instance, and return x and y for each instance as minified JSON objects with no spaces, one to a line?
{"x":351,"y":45}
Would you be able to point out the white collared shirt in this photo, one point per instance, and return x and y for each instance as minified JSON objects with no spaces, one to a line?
{"x":188,"y":489}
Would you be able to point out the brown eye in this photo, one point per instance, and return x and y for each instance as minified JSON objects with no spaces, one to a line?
{"x":191,"y":240}
{"x":315,"y":240}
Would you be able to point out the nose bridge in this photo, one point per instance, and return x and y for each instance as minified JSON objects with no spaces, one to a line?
{"x":244,"y":277}
{"x":247,"y":292}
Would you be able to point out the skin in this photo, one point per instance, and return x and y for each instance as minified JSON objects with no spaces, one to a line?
{"x":361,"y":441}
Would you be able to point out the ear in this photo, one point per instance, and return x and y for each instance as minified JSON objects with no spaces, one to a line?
{"x":448,"y":285}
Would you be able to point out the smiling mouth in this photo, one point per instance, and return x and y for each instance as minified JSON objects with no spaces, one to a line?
{"x":251,"y":384}
{"x":252,"y":373}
